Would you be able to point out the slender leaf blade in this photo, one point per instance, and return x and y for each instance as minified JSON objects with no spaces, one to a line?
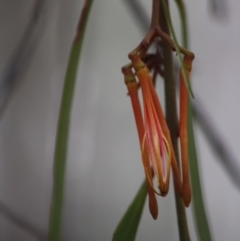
{"x":201,"y":220}
{"x":127,"y":227}
{"x":61,"y":145}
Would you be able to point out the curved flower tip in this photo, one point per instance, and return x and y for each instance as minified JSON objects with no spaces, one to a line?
{"x":187,"y":196}
{"x":153,"y":206}
{"x":187,"y":62}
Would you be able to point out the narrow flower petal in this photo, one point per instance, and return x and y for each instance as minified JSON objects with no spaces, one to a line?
{"x":166,"y":132}
{"x":157,"y":143}
{"x":133,"y":92}
{"x":186,"y":189}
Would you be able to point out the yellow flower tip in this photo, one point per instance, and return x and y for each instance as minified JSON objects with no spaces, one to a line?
{"x":137,"y":62}
{"x":128,"y":76}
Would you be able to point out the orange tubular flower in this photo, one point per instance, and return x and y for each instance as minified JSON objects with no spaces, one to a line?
{"x":157,"y":144}
{"x":158,"y":155}
{"x":166,"y":132}
{"x":186,"y":189}
{"x":133,"y":92}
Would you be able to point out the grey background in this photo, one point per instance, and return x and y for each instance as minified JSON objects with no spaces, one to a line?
{"x":104,"y":169}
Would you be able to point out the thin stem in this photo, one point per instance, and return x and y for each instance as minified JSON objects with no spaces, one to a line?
{"x":63,"y":128}
{"x":170,"y":25}
{"x":155,"y":13}
{"x":172,"y":120}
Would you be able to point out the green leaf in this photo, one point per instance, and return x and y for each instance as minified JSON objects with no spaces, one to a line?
{"x":127,"y":228}
{"x":201,"y":220}
{"x":183,"y":17}
{"x":61,"y":146}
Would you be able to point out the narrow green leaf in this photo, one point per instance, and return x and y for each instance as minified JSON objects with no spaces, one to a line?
{"x":183,"y":18}
{"x":127,"y":228}
{"x":201,"y":220}
{"x":60,"y":155}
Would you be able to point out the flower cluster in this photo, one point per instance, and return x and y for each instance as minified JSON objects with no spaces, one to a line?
{"x":158,"y":155}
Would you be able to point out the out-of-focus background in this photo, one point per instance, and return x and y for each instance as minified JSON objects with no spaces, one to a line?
{"x":104,"y":169}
